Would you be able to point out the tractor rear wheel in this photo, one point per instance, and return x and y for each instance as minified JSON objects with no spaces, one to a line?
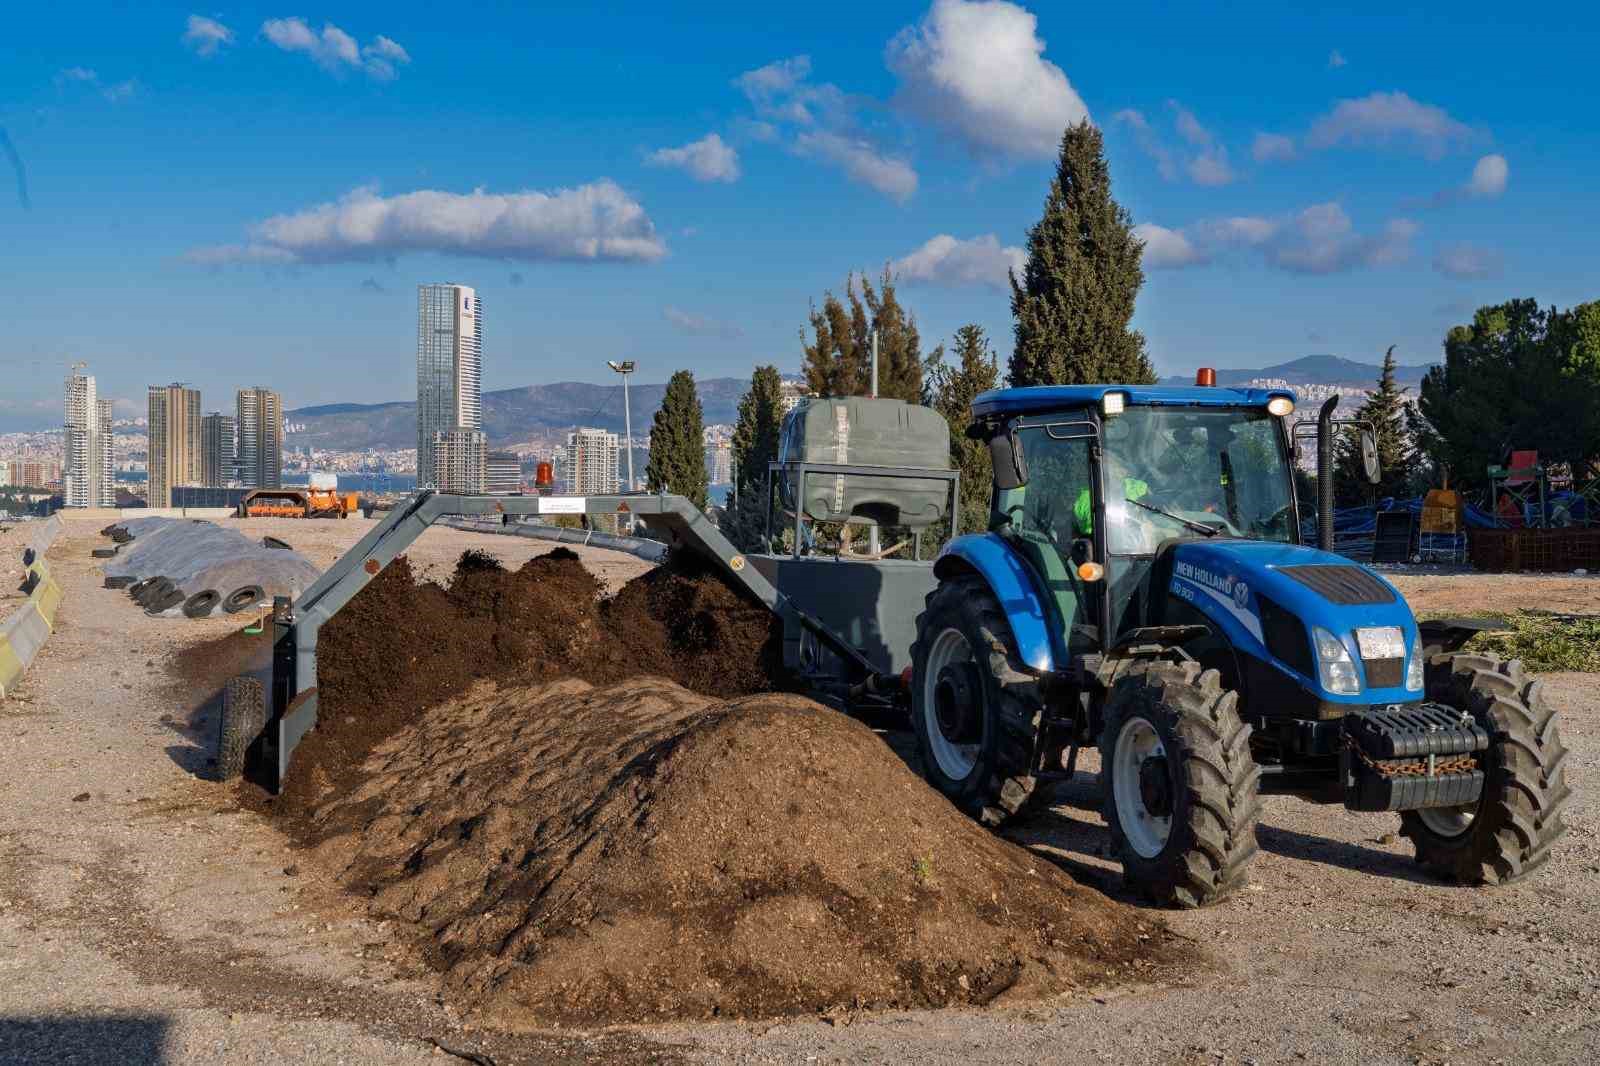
{"x":975,"y":711}
{"x":1508,"y":833}
{"x":1178,"y":782}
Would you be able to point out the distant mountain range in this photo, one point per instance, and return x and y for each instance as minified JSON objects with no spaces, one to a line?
{"x":1314,"y":370}
{"x":510,"y":416}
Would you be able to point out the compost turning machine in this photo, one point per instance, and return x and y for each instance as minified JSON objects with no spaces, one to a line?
{"x":1140,"y":587}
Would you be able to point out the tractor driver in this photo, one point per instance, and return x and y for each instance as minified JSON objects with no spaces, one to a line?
{"x":1130,"y":529}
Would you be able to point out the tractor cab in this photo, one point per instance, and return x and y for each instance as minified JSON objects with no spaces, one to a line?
{"x":1095,"y":485}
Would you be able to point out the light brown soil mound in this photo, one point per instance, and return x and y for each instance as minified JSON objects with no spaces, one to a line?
{"x":640,"y":852}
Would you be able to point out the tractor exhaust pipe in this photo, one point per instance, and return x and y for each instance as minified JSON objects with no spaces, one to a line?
{"x":1325,"y":474}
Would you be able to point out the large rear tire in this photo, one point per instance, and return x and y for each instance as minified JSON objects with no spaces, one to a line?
{"x":244,"y":716}
{"x":974,"y":709}
{"x":1509,"y":832}
{"x":1178,"y":782}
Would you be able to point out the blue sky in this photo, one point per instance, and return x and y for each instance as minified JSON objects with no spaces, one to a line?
{"x":251,"y":194}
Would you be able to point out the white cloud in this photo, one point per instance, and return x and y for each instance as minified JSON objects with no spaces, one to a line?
{"x":1166,"y":249}
{"x":115,"y":93}
{"x":861,"y":161}
{"x":1210,"y":168}
{"x":1207,"y":166}
{"x":1189,"y":127}
{"x":781,"y":76}
{"x":335,"y":50}
{"x":1149,"y":143}
{"x":700,"y":325}
{"x":977,"y":68}
{"x":1272,"y":148}
{"x":1467,"y":262}
{"x":944,"y":260}
{"x":1489,"y":176}
{"x":594,"y":222}
{"x":1336,"y":60}
{"x":1389,"y":118}
{"x":206,"y":36}
{"x":1320,"y":239}
{"x":708,"y":159}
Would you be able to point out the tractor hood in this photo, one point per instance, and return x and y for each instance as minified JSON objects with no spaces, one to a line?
{"x":1267,"y":598}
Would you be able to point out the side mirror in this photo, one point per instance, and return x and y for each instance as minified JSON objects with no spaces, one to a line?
{"x":1010,"y":468}
{"x":1369,"y":456}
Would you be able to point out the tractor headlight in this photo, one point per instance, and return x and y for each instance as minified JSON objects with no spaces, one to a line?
{"x":1334,"y":665}
{"x":1113,"y":403}
{"x":1414,"y":668}
{"x":1281,"y":406}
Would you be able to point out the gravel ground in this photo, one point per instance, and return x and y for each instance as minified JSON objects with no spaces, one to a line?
{"x":143,"y":919}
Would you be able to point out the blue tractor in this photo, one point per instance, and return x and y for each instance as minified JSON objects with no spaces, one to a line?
{"x":1142,"y":588}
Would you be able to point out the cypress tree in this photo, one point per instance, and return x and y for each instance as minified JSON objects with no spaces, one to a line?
{"x":1075,"y":297}
{"x":1385,"y":408}
{"x":950,"y":391}
{"x":755,"y":444}
{"x":677,"y":443}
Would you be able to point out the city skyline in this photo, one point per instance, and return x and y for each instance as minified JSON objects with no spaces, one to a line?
{"x":688,"y":213}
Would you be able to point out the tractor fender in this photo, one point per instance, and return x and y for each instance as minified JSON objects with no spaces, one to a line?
{"x":990,"y":557}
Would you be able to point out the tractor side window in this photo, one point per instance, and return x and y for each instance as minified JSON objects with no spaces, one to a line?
{"x":1055,"y":511}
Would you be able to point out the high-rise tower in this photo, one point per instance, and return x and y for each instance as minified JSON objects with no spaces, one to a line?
{"x":449,"y":369}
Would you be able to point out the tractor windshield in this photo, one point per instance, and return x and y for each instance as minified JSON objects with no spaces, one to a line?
{"x":1194,"y":471}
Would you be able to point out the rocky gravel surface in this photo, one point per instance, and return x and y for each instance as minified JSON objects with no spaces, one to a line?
{"x":144,"y":919}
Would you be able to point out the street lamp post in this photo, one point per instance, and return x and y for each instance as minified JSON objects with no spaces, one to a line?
{"x":625,"y":367}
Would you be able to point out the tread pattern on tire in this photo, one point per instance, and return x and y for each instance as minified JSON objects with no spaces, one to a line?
{"x":1008,"y":787}
{"x":1525,"y":786}
{"x":1208,"y":853}
{"x":244,"y":716}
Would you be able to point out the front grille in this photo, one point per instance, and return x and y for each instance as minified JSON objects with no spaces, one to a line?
{"x":1384,"y":673}
{"x":1339,"y":583}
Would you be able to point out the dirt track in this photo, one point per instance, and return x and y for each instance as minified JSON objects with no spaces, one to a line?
{"x":147,"y":923}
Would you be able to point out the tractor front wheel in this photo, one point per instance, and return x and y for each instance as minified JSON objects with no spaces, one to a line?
{"x":1178,"y":782}
{"x":974,"y":709}
{"x":1508,"y":833}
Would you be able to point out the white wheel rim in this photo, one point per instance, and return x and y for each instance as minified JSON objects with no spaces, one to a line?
{"x":1137,"y":743}
{"x":1449,"y":821}
{"x":955,"y":761}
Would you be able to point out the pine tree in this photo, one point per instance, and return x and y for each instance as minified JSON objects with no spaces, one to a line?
{"x":1385,"y":408}
{"x":899,"y":345}
{"x":838,"y":357}
{"x":950,"y":390}
{"x":677,"y":443}
{"x":1075,"y":297}
{"x":835,"y":358}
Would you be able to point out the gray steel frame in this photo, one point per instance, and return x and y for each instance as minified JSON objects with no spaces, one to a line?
{"x":296,"y":626}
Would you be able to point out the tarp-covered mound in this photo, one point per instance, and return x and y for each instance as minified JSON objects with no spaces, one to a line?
{"x":639,"y":852}
{"x":196,"y":555}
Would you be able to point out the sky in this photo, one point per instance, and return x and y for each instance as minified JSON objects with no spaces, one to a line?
{"x":250,"y":195}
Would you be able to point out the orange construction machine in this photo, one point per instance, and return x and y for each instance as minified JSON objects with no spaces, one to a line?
{"x":298,"y":503}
